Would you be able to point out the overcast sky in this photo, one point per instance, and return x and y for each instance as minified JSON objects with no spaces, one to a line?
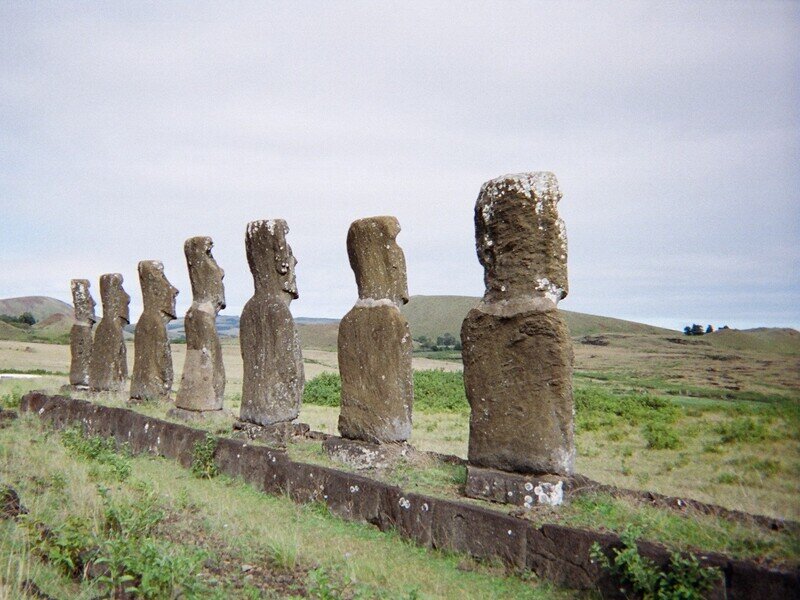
{"x":674,"y":131}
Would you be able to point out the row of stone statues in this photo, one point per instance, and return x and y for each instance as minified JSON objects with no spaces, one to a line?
{"x":516,"y":350}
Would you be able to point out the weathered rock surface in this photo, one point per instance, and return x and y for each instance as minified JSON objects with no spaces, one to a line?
{"x":152,"y":363}
{"x":374,"y":339}
{"x":516,"y":348}
{"x":375,"y":364}
{"x":108,"y":369}
{"x":80,"y":336}
{"x":273,"y":381}
{"x":203,"y":380}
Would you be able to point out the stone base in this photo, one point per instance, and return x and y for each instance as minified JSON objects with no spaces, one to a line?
{"x":197,"y":415}
{"x":366,"y":455}
{"x":517,"y":489}
{"x":277,"y":434}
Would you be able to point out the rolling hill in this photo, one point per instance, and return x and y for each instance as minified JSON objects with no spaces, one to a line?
{"x":433,"y":316}
{"x":41,"y":307}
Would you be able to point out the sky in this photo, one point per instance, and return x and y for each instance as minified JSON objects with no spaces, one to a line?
{"x":673,"y":129}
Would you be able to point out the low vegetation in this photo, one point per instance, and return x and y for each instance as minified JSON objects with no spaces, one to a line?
{"x":685,"y":579}
{"x":163,"y":533}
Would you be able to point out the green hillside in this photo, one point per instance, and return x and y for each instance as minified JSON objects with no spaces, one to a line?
{"x":40,"y":307}
{"x":761,"y":339}
{"x":433,"y":316}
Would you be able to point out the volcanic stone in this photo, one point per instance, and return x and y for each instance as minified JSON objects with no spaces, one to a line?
{"x":152,"y":363}
{"x":80,"y":336}
{"x":203,"y":380}
{"x":374,"y":339}
{"x":108,"y":368}
{"x":516,"y":348}
{"x":273,"y":381}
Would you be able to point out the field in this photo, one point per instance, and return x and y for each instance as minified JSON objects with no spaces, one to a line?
{"x":714,"y":418}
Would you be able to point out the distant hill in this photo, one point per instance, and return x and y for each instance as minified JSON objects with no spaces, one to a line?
{"x":433,"y":316}
{"x":761,"y":339}
{"x":40,"y":307}
{"x":53,"y":319}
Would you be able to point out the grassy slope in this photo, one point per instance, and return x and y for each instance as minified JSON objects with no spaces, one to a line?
{"x":433,"y":316}
{"x":40,"y":307}
{"x":287,"y":546}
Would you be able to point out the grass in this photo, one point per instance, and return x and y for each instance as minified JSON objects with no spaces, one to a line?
{"x":226,"y":523}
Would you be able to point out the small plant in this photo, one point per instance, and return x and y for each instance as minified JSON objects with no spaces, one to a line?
{"x":203,"y":465}
{"x":660,"y":436}
{"x":684,"y":579}
{"x":728,"y":478}
{"x":11,"y":400}
{"x":283,"y":553}
{"x":322,"y":585}
{"x":99,"y":449}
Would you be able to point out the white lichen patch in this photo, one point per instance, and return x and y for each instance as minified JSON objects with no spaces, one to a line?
{"x":549,"y":494}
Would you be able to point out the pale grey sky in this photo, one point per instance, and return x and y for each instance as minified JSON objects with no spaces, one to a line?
{"x":673,"y":129}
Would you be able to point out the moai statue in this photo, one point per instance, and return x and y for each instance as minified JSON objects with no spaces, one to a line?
{"x":273,"y":364}
{"x":374,"y":338}
{"x":152,"y":361}
{"x":108,"y":368}
{"x":203,"y":380}
{"x":80,"y":336}
{"x":515,"y":345}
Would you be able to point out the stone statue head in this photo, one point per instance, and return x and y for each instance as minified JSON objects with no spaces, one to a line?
{"x":521,"y":240}
{"x":158,"y":294}
{"x":204,"y":272}
{"x":82,"y":301}
{"x":376,"y":259}
{"x":114,"y":298}
{"x":270,"y":258}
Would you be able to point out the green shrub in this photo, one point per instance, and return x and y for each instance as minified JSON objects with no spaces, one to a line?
{"x":99,"y":449}
{"x":684,"y":579}
{"x":324,"y":390}
{"x":203,"y":464}
{"x":11,"y":400}
{"x":434,"y":391}
{"x":661,"y":436}
{"x":743,"y":429}
{"x":598,"y":408}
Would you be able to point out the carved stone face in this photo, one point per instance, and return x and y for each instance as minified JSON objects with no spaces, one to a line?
{"x":114,"y":298}
{"x":520,"y":239}
{"x":158,"y":294}
{"x":377,"y":261}
{"x":270,"y":258}
{"x":82,"y":301}
{"x":204,"y":272}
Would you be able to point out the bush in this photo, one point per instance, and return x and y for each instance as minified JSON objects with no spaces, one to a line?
{"x":660,"y":436}
{"x":597,"y":408}
{"x":685,"y":578}
{"x":203,"y":464}
{"x":742,"y":429}
{"x":324,"y":390}
{"x":434,"y":391}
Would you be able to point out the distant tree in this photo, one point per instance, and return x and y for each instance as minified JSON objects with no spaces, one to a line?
{"x":724,"y":327}
{"x":446,"y":340}
{"x":457,"y":345}
{"x":687,"y":330}
{"x":27,"y":318}
{"x":697,"y":329}
{"x":709,"y":329}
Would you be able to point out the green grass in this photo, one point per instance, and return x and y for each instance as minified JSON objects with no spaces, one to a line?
{"x":173,"y":520}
